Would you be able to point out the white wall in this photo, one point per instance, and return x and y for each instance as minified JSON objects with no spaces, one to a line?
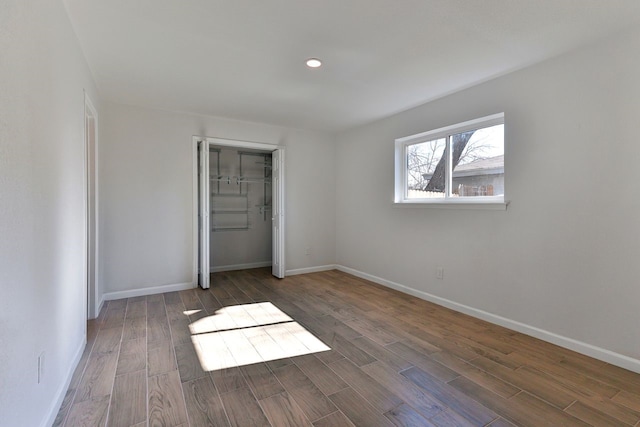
{"x":42,"y":295}
{"x":146,"y":193}
{"x":564,"y":256}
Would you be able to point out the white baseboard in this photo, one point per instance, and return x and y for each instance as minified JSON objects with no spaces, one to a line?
{"x":599,"y":353}
{"x":62,"y":390}
{"x":310,"y":269}
{"x":147,"y":291}
{"x":240,"y":266}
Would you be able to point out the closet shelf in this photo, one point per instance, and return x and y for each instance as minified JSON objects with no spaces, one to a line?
{"x":230,"y":211}
{"x":228,"y":195}
{"x":230,"y":228}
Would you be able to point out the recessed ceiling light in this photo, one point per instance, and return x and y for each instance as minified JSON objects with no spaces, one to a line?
{"x":313,"y":63}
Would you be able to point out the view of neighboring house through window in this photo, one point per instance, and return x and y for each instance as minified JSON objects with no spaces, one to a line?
{"x":459,"y":162}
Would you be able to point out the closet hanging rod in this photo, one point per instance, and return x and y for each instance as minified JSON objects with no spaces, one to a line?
{"x":254,"y":179}
{"x":263,"y":209}
{"x":226,"y":179}
{"x":251,"y":153}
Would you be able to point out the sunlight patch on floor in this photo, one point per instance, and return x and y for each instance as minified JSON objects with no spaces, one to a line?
{"x":244,"y":334}
{"x":191,"y":312}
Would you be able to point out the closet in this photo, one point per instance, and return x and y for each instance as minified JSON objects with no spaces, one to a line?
{"x":239,"y":204}
{"x":240,"y":219}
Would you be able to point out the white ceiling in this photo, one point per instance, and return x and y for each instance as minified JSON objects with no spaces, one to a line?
{"x":244,"y":59}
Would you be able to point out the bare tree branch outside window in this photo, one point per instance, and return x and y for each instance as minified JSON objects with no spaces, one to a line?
{"x":426,"y":161}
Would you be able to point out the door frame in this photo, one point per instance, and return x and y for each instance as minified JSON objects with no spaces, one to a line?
{"x":92,"y":299}
{"x":231,"y":143}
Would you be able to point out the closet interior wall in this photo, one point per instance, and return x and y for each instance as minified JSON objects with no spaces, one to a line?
{"x":240,"y":191}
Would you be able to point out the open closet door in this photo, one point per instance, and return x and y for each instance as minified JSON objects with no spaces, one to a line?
{"x":204,"y":231}
{"x":277,"y":200}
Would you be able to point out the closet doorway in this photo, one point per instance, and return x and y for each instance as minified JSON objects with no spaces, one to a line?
{"x":238,"y":206}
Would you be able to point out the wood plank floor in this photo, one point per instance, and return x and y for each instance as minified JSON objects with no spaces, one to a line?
{"x":328,"y":349}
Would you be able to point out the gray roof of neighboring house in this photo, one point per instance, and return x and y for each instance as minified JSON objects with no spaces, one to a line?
{"x":490,"y":163}
{"x":489,"y":166}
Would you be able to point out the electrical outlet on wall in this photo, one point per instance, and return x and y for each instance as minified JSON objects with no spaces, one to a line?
{"x":307,"y":250}
{"x":440,"y":273}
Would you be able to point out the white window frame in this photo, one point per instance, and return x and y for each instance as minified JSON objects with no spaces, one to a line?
{"x":401,"y":144}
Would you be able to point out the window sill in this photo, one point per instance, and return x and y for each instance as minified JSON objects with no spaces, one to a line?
{"x":448,"y":204}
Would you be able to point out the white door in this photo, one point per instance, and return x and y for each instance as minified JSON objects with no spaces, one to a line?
{"x":277,"y":207}
{"x":203,"y":215}
{"x":91,"y":165}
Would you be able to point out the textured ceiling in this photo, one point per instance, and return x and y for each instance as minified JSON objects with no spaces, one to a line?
{"x":244,"y":59}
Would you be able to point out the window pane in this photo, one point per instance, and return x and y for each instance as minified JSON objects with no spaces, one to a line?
{"x":425,"y":169}
{"x":478,"y":162}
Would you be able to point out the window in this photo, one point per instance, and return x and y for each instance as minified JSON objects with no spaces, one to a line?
{"x":462,"y":164}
